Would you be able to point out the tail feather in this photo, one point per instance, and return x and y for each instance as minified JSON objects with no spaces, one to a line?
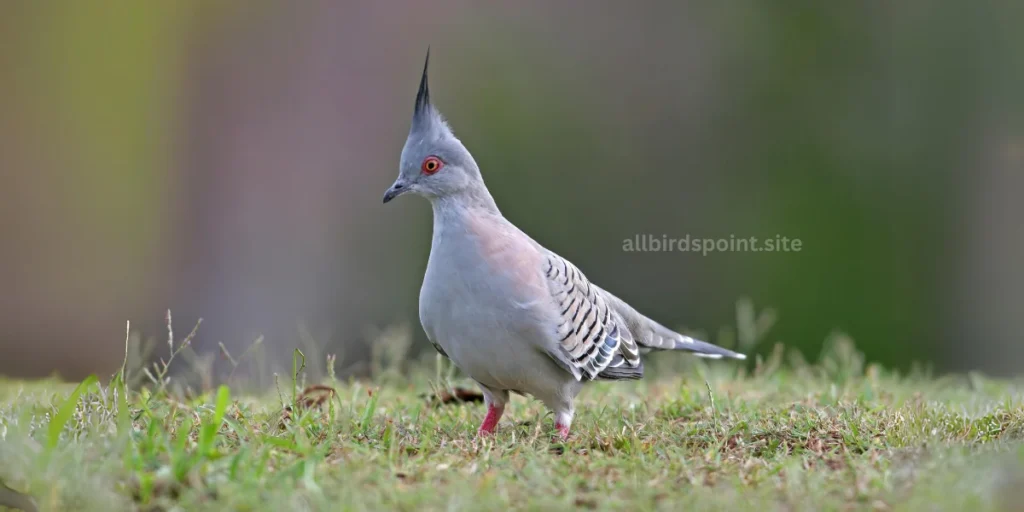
{"x":654,"y":336}
{"x":705,"y":349}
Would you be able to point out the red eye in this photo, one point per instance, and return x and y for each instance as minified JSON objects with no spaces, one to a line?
{"x":432,"y":164}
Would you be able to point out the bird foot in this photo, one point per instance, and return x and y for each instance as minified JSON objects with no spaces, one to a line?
{"x":562,"y":432}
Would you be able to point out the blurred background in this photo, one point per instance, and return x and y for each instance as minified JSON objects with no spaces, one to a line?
{"x":226,"y":160}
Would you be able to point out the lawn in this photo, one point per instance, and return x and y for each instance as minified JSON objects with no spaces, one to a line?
{"x":779,"y":435}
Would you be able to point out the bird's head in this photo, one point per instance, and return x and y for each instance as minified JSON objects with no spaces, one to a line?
{"x":434,"y":163}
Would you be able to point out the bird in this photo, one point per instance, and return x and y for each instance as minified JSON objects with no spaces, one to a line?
{"x":512,"y":315}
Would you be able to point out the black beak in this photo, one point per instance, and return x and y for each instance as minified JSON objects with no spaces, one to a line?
{"x":396,"y":190}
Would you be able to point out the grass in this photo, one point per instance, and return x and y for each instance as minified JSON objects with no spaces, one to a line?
{"x":833,"y":435}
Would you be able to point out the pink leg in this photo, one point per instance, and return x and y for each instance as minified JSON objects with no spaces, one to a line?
{"x":562,"y":422}
{"x":494,"y":413}
{"x":563,"y":430}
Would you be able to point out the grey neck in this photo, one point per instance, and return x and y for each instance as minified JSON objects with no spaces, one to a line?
{"x":475,"y":200}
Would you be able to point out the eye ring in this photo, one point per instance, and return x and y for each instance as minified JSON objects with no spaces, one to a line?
{"x":431,"y":165}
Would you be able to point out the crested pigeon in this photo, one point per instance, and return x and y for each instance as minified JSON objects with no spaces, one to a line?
{"x":511,"y":314}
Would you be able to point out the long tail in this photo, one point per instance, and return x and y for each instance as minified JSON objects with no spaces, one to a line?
{"x":654,"y":336}
{"x":703,"y":348}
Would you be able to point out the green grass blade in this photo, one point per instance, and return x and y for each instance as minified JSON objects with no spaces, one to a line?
{"x":65,"y":411}
{"x":210,"y":429}
{"x":371,"y":405}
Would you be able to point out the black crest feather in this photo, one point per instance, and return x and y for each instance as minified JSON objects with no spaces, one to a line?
{"x":423,"y":95}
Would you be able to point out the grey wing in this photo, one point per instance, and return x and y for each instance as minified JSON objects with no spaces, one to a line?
{"x":593,"y":340}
